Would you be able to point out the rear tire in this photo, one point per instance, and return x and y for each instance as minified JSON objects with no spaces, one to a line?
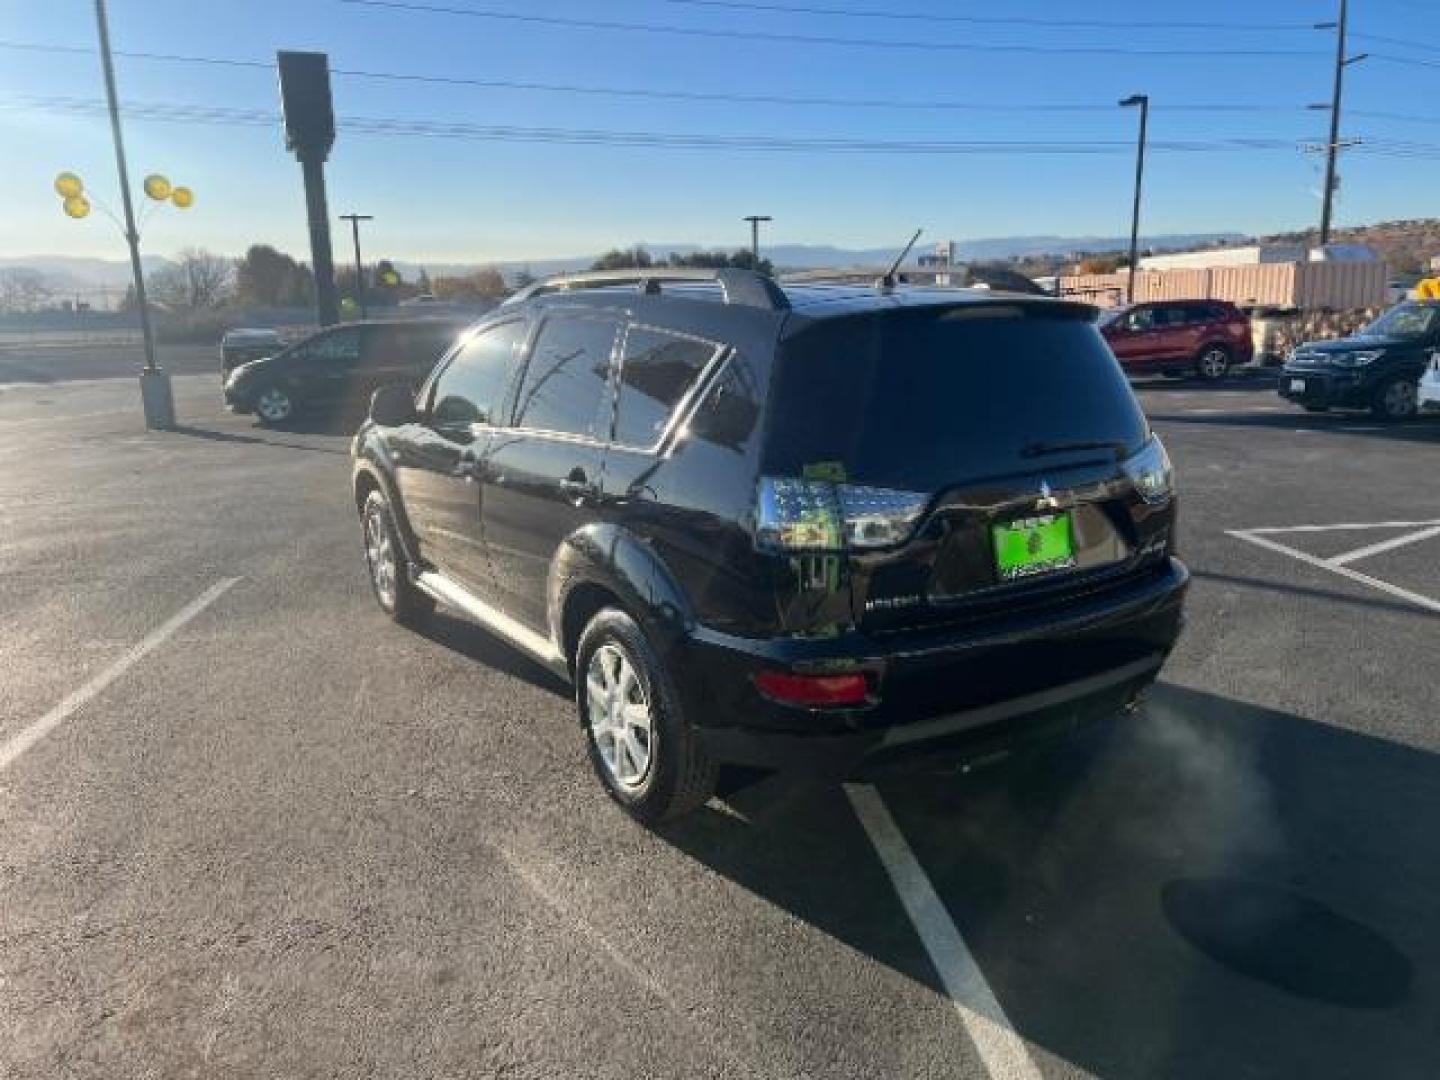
{"x":1213,"y":363}
{"x":273,"y":405}
{"x":1396,"y":399}
{"x":389,"y":570}
{"x":646,"y":754}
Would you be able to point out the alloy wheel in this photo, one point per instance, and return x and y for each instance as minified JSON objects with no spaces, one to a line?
{"x":620,"y":719}
{"x":1214,"y":364}
{"x":1399,"y":400}
{"x":380,"y":554}
{"x":274,"y":405}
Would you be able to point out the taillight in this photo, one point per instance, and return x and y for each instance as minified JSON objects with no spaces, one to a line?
{"x":812,"y":691}
{"x":818,"y":515}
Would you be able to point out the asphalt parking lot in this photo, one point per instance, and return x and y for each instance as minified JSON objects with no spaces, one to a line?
{"x":248,"y":827}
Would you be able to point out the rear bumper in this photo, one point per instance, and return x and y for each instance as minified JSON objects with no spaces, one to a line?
{"x":1327,"y":388}
{"x":955,"y":694}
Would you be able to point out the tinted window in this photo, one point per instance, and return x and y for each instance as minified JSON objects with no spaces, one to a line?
{"x":418,"y":346}
{"x":473,"y":384}
{"x":920,"y":400}
{"x":1405,"y":321}
{"x":657,"y":371}
{"x":334,"y":347}
{"x":568,"y":376}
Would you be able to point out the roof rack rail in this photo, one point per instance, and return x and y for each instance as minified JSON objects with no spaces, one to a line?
{"x":737,"y":286}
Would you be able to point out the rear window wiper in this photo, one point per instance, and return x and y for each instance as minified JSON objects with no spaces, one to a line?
{"x":1044,"y":449}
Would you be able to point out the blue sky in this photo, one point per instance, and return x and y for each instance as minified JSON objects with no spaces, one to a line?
{"x":466,"y":200}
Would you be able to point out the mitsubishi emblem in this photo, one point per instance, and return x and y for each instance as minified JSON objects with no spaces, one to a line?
{"x":1047,"y":500}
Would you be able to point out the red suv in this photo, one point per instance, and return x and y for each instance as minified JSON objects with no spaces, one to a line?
{"x":1207,"y":337}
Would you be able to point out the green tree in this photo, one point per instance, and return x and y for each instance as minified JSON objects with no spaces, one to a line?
{"x":624,"y":259}
{"x":265,"y":277}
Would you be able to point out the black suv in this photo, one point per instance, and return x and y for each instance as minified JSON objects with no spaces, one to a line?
{"x":832,"y":527}
{"x":339,"y":367}
{"x":1377,"y":369}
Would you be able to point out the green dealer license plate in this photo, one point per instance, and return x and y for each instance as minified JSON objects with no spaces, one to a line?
{"x":1035,"y":545}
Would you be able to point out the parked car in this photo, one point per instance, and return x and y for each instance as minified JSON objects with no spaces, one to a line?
{"x":339,"y":367}
{"x":241,"y":346}
{"x":832,"y":528}
{"x":1206,"y":337}
{"x":1429,"y":389}
{"x":1377,"y":369}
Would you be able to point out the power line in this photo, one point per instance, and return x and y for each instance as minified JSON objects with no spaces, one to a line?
{"x":940,"y":105}
{"x":813,"y":39}
{"x":980,"y":20}
{"x":1423,"y":46}
{"x":205,"y":114}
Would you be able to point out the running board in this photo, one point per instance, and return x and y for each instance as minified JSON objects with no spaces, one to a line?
{"x":538,"y":647}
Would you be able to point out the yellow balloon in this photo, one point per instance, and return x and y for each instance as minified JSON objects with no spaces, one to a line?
{"x":68,"y":185}
{"x":183,"y":197}
{"x":77,"y":206}
{"x":1429,"y":289}
{"x":157,"y":187}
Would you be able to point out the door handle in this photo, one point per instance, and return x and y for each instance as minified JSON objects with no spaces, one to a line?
{"x":467,"y":469}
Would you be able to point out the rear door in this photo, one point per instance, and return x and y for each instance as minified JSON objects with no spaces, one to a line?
{"x":980,"y":428}
{"x":438,"y":459}
{"x":542,"y":474}
{"x":330,"y":366}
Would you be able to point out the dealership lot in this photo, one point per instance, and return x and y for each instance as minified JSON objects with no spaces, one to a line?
{"x":252,"y":828}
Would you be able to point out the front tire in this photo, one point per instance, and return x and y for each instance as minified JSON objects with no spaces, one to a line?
{"x":645,"y":753}
{"x":1396,"y":399}
{"x":1213,"y":363}
{"x":389,"y":572}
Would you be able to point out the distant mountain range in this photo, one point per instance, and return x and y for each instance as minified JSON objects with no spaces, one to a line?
{"x":64,"y":272}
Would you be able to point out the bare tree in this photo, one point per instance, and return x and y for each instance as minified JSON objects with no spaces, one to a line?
{"x":22,"y":290}
{"x":197,"y":279}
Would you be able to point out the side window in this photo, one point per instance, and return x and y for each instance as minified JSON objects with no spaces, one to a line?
{"x":1141,"y":319}
{"x":473,"y":384}
{"x":338,"y":347}
{"x":567,"y":380}
{"x":657,"y":371}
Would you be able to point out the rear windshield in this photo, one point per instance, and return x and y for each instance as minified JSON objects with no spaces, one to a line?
{"x":921,"y":400}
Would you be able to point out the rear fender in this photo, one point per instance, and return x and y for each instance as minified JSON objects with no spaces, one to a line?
{"x":617,"y":560}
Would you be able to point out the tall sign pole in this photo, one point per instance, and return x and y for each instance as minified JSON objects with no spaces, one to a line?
{"x":755,"y":220}
{"x":155,"y":391}
{"x":309,"y":134}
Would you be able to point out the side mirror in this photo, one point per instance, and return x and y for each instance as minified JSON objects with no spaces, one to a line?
{"x":393,"y":405}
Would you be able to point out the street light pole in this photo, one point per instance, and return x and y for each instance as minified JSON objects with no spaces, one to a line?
{"x":355,"y":220}
{"x":155,"y":392}
{"x":755,"y":220}
{"x":1143,"y":101}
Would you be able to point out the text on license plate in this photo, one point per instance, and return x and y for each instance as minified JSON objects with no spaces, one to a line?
{"x":1036,"y":545}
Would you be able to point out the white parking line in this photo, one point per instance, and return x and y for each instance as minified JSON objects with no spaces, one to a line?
{"x":13,"y":748}
{"x":1001,"y":1048}
{"x":1253,"y":535}
{"x":1383,"y":546}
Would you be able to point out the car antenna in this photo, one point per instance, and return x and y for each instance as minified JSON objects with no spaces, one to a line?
{"x":888,"y":281}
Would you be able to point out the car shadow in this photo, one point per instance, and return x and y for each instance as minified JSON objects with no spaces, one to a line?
{"x":1421,"y":429}
{"x":473,"y":641}
{"x":1266,"y":379}
{"x":253,"y":440}
{"x":1334,"y":596}
{"x":321,"y":422}
{"x":1211,"y":889}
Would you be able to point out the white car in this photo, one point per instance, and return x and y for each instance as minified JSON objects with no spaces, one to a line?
{"x":1429,"y":395}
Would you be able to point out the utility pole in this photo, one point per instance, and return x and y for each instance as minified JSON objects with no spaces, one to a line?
{"x":155,"y":393}
{"x":755,"y":220}
{"x":1332,"y":148}
{"x":1143,"y":101}
{"x":355,"y":220}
